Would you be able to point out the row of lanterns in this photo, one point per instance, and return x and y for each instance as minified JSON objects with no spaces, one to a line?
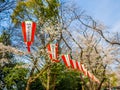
{"x":70,"y":63}
{"x":28,"y":30}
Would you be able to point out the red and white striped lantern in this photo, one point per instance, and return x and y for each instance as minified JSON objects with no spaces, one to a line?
{"x":96,"y":80}
{"x":93,"y":77}
{"x":89,"y":74}
{"x":84,"y":70}
{"x":73,"y":64}
{"x":66,"y":59}
{"x":78,"y":66}
{"x":53,"y":52}
{"x":28,"y":30}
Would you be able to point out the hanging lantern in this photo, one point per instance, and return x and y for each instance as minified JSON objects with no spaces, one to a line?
{"x":28,"y":30}
{"x":53,"y":52}
{"x":66,"y":59}
{"x":73,"y":64}
{"x":84,"y":70}
{"x":78,"y":66}
{"x":93,"y":77}
{"x":89,"y":74}
{"x":96,"y":80}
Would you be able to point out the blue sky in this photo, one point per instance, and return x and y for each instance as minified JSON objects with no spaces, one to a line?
{"x":106,"y":11}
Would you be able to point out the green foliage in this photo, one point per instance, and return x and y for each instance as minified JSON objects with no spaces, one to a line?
{"x":2,"y":1}
{"x":31,"y":9}
{"x":61,"y":78}
{"x":56,"y":72}
{"x":15,"y":77}
{"x":70,"y":81}
{"x":5,"y":38}
{"x":37,"y":85}
{"x":10,"y":75}
{"x":112,"y":79}
{"x":65,"y":79}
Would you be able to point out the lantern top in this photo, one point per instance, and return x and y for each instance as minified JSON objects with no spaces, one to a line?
{"x":28,"y":21}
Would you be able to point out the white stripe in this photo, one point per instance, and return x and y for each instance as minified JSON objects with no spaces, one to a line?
{"x":53,"y":50}
{"x":28,"y":30}
{"x":67,"y":59}
{"x":74,"y":63}
{"x":89,"y":74}
{"x":85,"y":70}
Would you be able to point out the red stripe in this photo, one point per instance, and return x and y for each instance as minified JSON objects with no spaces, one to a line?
{"x":28,"y":46}
{"x":89,"y":74}
{"x":65,"y":61}
{"x":24,"y":31}
{"x":78,"y":65}
{"x":49,"y":51}
{"x":93,"y":77}
{"x":97,"y":80}
{"x":72,"y":64}
{"x":55,"y":60}
{"x":33,"y":31}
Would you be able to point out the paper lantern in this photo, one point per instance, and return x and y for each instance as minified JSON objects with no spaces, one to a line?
{"x":89,"y":74}
{"x":73,"y":64}
{"x":28,"y":30}
{"x":53,"y":52}
{"x":66,"y":59}
{"x":78,"y":66}
{"x":93,"y":77}
{"x":96,"y":80}
{"x":84,"y":70}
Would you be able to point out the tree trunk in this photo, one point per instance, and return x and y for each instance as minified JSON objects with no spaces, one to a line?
{"x":99,"y":88}
{"x":48,"y":79}
{"x":84,"y":83}
{"x":54,"y":83}
{"x":28,"y":84}
{"x":31,"y":73}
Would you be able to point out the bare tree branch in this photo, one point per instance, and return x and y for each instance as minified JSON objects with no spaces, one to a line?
{"x":7,"y":5}
{"x":94,"y":27}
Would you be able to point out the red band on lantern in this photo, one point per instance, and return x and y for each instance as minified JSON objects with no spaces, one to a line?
{"x":66,"y":59}
{"x":24,"y":31}
{"x":78,"y":65}
{"x":73,"y":64}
